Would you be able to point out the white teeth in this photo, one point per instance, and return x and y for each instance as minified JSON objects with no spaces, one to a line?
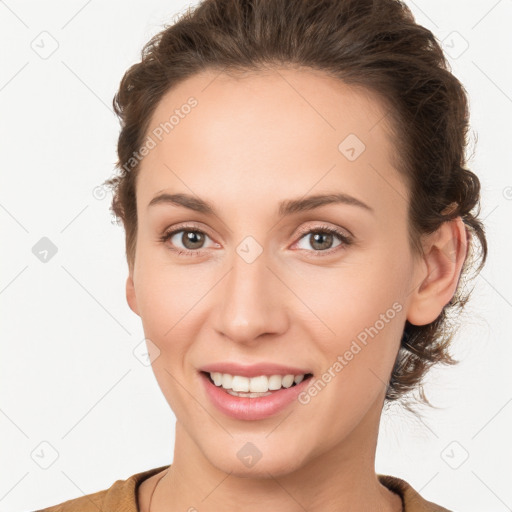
{"x":226,"y":380}
{"x":256,"y":386}
{"x":298,"y":379}
{"x":240,"y":383}
{"x":217,"y":378}
{"x":247,"y":395}
{"x":274,"y":382}
{"x":287,"y":381}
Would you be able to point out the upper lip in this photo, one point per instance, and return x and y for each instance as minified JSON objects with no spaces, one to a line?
{"x":253,"y":370}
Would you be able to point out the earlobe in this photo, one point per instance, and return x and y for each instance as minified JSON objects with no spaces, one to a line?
{"x":438,"y":275}
{"x":130,"y":294}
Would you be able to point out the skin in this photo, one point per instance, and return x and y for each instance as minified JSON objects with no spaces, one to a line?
{"x":250,"y":143}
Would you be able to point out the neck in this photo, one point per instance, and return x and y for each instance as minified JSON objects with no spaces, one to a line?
{"x":342,"y":479}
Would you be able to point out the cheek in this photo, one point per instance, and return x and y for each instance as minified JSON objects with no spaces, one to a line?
{"x":166,"y":297}
{"x":157,"y":304}
{"x":165,"y":290}
{"x":172,"y":311}
{"x":353,"y":297}
{"x":362,"y":312}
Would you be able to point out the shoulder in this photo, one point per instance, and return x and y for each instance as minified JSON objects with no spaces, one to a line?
{"x":412,"y":500}
{"x":86,"y":503}
{"x":120,"y":496}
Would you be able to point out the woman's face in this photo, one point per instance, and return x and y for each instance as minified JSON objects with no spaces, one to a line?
{"x":259,"y":280}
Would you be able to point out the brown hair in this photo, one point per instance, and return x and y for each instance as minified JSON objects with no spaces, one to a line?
{"x":372,"y":44}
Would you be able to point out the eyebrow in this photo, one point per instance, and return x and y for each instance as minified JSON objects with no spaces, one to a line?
{"x":287,"y":207}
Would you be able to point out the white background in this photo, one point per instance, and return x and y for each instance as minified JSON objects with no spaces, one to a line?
{"x":68,"y":373}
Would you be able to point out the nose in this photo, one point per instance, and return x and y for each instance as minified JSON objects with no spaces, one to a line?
{"x":251,"y":302}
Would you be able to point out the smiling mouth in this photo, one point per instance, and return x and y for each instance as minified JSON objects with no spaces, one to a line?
{"x":228,"y":389}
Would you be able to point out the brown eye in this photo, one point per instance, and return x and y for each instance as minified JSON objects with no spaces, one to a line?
{"x":191,"y":239}
{"x":186,"y":241}
{"x":322,"y":239}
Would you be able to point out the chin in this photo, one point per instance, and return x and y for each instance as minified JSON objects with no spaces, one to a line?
{"x":250,"y":462}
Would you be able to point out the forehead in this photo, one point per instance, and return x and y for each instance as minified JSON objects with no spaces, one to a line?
{"x":285,"y":130}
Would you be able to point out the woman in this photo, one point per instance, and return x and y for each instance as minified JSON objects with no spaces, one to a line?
{"x":299,"y":223}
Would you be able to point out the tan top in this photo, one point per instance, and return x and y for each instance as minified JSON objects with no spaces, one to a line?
{"x":122,"y":496}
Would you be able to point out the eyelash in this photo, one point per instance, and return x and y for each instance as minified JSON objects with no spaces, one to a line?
{"x":346,"y":240}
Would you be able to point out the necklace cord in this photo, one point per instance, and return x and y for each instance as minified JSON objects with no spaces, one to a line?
{"x":154,"y":489}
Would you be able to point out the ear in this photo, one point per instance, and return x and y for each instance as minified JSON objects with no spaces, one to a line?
{"x":130,"y":293}
{"x":438,"y":272}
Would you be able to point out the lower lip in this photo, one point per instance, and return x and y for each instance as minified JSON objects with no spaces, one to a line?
{"x":243,"y":408}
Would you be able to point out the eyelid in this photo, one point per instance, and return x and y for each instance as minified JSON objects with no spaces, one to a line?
{"x":325,"y":227}
{"x":184,"y":226}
